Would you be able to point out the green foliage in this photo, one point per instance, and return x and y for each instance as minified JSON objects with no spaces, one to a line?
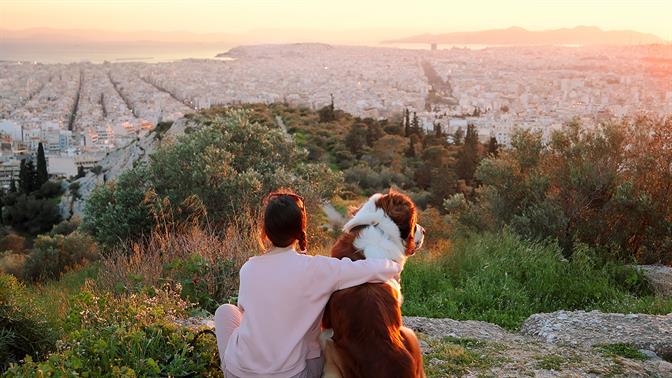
{"x":53,"y":255}
{"x":452,"y":356}
{"x":190,"y":273}
{"x":600,"y":187}
{"x":127,"y":336}
{"x":622,"y":350}
{"x":23,"y":329}
{"x":503,"y":279}
{"x":229,"y":164}
{"x":66,"y":227}
{"x":469,"y":155}
{"x":28,"y":214}
{"x":116,"y":211}
{"x":41,"y":174}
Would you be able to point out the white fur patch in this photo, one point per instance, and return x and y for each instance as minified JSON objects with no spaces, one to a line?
{"x":382,"y":239}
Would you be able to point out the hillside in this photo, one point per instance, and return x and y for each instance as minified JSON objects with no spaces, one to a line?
{"x":512,"y":279}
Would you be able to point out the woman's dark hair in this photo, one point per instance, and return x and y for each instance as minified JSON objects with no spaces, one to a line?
{"x":285,"y":219}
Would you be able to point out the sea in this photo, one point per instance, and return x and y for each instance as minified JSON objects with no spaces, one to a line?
{"x":73,"y":53}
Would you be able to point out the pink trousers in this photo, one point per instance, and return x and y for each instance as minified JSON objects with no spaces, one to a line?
{"x":227,"y":319}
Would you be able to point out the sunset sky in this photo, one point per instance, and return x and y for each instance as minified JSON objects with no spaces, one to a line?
{"x":376,"y":16}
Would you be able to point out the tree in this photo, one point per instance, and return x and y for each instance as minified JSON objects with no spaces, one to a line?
{"x":415,"y":125}
{"x":27,"y":177}
{"x":407,"y":123}
{"x":356,"y":139}
{"x":388,"y":151}
{"x":493,"y":147}
{"x":410,"y":152}
{"x":328,"y":113}
{"x":438,"y":130}
{"x":42,"y":174}
{"x":469,"y":156}
{"x":373,"y":133}
{"x":458,"y":136}
{"x":12,"y":186}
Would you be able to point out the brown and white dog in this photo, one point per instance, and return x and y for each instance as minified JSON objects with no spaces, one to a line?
{"x":364,"y":336}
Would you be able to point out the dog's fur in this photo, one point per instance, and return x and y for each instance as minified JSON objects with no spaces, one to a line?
{"x":365,"y":336}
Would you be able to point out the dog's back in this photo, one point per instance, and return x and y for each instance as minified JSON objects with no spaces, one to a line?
{"x":368,"y":333}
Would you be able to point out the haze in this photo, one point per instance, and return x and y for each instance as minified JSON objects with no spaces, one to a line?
{"x":344,"y":21}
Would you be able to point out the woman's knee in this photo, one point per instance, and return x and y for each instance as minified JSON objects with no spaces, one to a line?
{"x":227,"y":312}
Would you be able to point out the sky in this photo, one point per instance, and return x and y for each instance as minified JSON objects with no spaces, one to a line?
{"x":371,"y":18}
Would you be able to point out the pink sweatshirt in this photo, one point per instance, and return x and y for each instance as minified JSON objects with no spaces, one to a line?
{"x":283,"y":295}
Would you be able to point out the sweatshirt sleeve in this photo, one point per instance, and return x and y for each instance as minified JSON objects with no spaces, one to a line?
{"x":336,"y":274}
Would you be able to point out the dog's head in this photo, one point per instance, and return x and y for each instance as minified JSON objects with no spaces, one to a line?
{"x":401,"y":209}
{"x":395,"y":215}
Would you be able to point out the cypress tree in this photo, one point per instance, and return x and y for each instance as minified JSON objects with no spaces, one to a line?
{"x":415,"y":128}
{"x":458,"y":136}
{"x":12,"y":186}
{"x":410,"y":151}
{"x":407,"y":123}
{"x":42,"y":175}
{"x":493,"y":147}
{"x":469,"y":156}
{"x":25,"y":182}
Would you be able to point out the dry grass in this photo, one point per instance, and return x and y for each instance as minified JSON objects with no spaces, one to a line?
{"x":146,"y":262}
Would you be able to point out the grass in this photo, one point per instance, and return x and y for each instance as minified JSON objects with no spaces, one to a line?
{"x":54,"y":297}
{"x":452,"y":356}
{"x":555,"y":362}
{"x":502,"y":279}
{"x":622,"y":350}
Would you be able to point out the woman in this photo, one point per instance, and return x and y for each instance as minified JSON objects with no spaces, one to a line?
{"x":273,"y":332}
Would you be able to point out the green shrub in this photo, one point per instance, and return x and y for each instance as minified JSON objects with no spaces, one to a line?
{"x":503,"y":279}
{"x":228,"y":164}
{"x":607,"y":187}
{"x":50,"y":189}
{"x":28,"y":214}
{"x":53,"y":255}
{"x":133,"y":335}
{"x":66,"y":227}
{"x":23,"y":329}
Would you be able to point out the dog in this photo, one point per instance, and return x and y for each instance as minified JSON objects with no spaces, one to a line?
{"x":364,"y":336}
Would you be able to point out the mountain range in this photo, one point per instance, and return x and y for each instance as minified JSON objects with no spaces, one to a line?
{"x":580,"y":35}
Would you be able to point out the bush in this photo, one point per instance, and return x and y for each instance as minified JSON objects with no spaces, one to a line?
{"x":13,"y":242}
{"x":50,"y":189}
{"x":134,"y":335}
{"x":23,"y":329}
{"x":203,"y":263}
{"x":30,"y":215}
{"x":66,"y":227}
{"x":12,"y":263}
{"x":228,"y":164}
{"x":53,"y":255}
{"x":606,"y":187}
{"x":503,"y":279}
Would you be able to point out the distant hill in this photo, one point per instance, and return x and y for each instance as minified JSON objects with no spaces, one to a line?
{"x":580,"y":35}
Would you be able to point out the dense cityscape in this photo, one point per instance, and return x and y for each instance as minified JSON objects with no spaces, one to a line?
{"x":80,"y":111}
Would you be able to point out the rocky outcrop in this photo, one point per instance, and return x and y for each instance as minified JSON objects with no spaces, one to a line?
{"x":660,"y":278}
{"x":580,"y":328}
{"x":559,"y":344}
{"x":119,"y":161}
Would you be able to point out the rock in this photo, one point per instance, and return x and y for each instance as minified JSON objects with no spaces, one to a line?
{"x":650,"y":332}
{"x":660,"y":278}
{"x":470,"y":329}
